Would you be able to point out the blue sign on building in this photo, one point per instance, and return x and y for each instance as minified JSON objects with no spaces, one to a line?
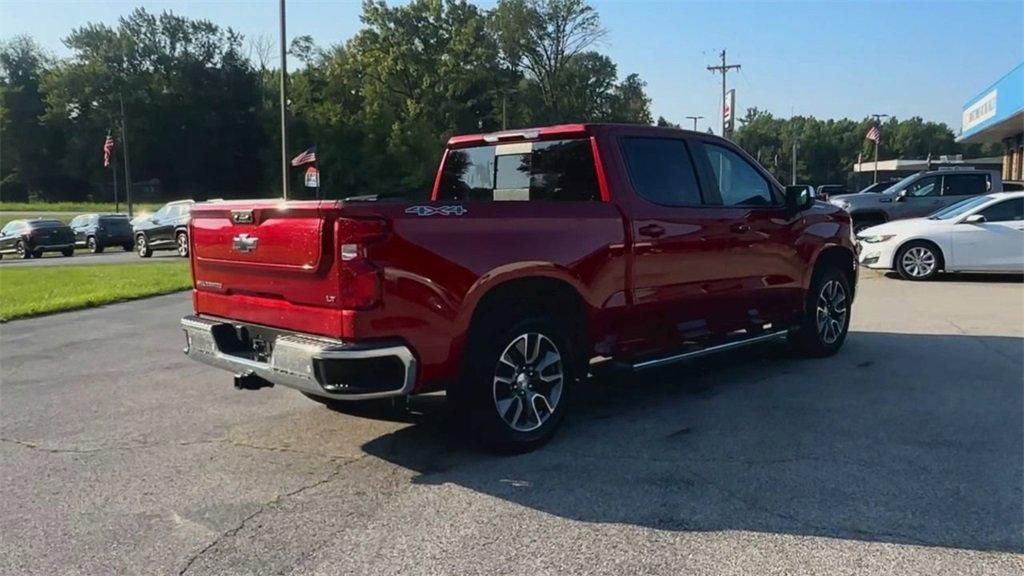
{"x":997,"y":115}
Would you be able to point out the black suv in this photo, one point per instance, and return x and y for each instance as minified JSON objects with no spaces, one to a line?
{"x":167,"y":229}
{"x":98,"y":231}
{"x":30,"y":238}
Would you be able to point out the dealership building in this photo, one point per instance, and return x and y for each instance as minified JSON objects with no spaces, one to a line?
{"x":996,"y":114}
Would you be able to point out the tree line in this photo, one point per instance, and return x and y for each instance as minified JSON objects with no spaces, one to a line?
{"x":200,"y":102}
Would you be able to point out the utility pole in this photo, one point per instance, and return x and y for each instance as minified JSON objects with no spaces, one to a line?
{"x":694,"y":118}
{"x":127,"y":162}
{"x":724,"y":68}
{"x":284,"y":108}
{"x":878,"y":126}
{"x":793,"y":177}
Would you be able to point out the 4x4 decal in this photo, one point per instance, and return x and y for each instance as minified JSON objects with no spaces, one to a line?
{"x":436,"y":210}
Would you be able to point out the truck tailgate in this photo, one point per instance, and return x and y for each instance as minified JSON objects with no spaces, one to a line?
{"x":267,"y":262}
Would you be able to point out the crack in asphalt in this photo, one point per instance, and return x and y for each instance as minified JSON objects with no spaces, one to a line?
{"x":341,"y":465}
{"x":148,"y":445}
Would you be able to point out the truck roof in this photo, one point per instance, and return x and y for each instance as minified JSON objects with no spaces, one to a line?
{"x":561,"y":130}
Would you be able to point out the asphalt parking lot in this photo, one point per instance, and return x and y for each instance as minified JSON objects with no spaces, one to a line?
{"x":903,"y":454}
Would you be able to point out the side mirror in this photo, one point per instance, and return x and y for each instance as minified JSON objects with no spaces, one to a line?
{"x":900,"y":196}
{"x":975,"y":219}
{"x":799,"y":197}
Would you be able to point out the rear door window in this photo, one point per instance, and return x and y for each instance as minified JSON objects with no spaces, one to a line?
{"x":556,"y":170}
{"x":965,"y":184}
{"x":661,"y":171}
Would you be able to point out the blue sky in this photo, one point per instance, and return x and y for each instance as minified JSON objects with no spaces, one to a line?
{"x":827,"y":59}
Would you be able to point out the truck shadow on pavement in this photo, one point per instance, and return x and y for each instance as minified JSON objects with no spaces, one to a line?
{"x":908,"y":439}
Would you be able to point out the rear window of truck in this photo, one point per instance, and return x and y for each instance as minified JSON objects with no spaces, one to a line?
{"x":554,"y":170}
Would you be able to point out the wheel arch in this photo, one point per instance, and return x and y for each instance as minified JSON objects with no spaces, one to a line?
{"x":919,"y":240}
{"x":551,"y":290}
{"x":839,"y":256}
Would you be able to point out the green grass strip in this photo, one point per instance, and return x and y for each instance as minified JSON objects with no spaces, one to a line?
{"x":35,"y":290}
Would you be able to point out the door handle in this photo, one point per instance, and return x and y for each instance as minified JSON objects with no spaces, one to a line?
{"x":740,"y":227}
{"x":652,"y":231}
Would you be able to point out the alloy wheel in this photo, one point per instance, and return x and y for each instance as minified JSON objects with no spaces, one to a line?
{"x":142,"y":246}
{"x":831,"y":311}
{"x":528,"y":381}
{"x":918,"y":262}
{"x":182,"y":245}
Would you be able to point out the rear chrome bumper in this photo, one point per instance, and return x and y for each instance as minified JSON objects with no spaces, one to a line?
{"x":300,"y":361}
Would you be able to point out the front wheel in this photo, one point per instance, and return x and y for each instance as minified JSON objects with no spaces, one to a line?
{"x":181,"y":239}
{"x":93,"y":246}
{"x":515,"y":389}
{"x":142,"y":247}
{"x":827,"y":314}
{"x":918,"y":261}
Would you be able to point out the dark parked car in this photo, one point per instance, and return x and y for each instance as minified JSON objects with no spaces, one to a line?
{"x":167,"y":229}
{"x":98,"y":231}
{"x":30,"y":238}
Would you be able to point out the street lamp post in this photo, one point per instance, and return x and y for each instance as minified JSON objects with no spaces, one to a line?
{"x":694,"y":118}
{"x":284,"y":107}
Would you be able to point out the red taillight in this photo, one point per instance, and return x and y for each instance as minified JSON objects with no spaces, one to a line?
{"x":360,"y":279}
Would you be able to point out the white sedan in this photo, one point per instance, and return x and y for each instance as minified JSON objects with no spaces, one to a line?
{"x":981,"y":234}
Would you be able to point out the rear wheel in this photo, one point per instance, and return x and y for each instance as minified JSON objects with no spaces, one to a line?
{"x":515,"y":387}
{"x":93,"y":246}
{"x":68,"y":252}
{"x":826,"y":316}
{"x":21,"y":251}
{"x":128,"y":247}
{"x":918,"y":261}
{"x":142,"y":247}
{"x":181,"y":239}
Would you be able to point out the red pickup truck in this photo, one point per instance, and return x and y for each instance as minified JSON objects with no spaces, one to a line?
{"x":540,"y":252}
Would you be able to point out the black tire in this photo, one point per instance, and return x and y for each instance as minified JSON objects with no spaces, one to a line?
{"x":918,"y":261}
{"x":93,"y":246}
{"x":181,"y":241}
{"x":128,"y":247}
{"x":21,"y":251}
{"x":142,"y":246}
{"x":378,"y":409}
{"x":478,"y":393}
{"x":68,"y":252}
{"x":815,"y":338}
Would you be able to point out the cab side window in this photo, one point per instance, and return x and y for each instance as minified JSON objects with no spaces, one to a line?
{"x":965,"y":184}
{"x":1006,"y":211}
{"x":739,"y":184}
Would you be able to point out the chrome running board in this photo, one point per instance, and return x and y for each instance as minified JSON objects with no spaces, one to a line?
{"x":656,"y":362}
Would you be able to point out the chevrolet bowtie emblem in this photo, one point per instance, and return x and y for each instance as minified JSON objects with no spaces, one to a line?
{"x":244,"y":243}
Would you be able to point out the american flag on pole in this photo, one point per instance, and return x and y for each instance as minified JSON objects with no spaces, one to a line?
{"x":875,"y":135}
{"x":108,"y":151}
{"x":306,"y":157}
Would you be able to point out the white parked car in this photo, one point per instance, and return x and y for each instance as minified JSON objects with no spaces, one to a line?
{"x":981,"y":234}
